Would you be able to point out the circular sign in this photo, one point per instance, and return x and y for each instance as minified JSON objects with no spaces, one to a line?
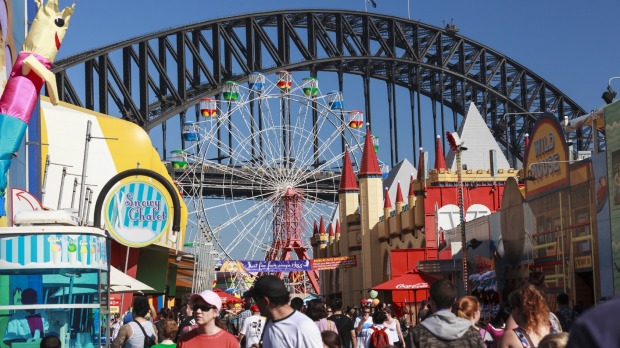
{"x":136,"y":213}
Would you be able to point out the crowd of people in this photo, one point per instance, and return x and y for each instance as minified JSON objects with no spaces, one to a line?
{"x":270,"y":318}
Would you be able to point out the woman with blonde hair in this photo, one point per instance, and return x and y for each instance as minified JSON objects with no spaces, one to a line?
{"x":469,"y":308}
{"x":531,"y":314}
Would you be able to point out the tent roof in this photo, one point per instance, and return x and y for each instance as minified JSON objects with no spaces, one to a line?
{"x":121,"y":282}
{"x":226,"y":297}
{"x":411,"y":280}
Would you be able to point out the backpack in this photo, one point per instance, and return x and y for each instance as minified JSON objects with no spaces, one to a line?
{"x":148,"y":341}
{"x":379,"y":337}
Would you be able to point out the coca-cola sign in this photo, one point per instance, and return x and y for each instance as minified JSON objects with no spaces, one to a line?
{"x":412,"y":286}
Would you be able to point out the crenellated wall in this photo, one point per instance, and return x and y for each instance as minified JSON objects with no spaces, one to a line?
{"x":406,"y":225}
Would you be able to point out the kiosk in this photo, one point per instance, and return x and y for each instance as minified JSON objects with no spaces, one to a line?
{"x":53,"y":281}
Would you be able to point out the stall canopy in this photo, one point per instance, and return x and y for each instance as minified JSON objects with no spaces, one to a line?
{"x":77,"y":283}
{"x":226,"y":297}
{"x":121,"y":282}
{"x":407,"y":291}
{"x":412,"y":280}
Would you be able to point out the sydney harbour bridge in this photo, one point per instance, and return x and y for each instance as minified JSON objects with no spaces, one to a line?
{"x":159,"y":80}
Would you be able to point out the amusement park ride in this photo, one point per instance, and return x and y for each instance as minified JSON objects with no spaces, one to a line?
{"x":255,"y":195}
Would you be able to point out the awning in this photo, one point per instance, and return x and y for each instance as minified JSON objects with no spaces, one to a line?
{"x":412,"y":280}
{"x":121,"y":282}
{"x":226,"y":297}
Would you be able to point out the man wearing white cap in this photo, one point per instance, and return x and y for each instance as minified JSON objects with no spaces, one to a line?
{"x":206,"y":306}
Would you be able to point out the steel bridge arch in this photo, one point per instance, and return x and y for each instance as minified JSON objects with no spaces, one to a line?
{"x":155,"y":77}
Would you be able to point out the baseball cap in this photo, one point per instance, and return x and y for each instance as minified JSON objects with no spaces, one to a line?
{"x":254,"y":308}
{"x":209,"y":297}
{"x":268,"y":286}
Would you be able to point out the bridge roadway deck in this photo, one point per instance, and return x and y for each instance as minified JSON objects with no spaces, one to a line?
{"x":236,"y":182}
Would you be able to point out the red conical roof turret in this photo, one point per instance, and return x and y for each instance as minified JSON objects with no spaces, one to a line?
{"x":331,"y":230}
{"x":411,"y":193}
{"x":321,"y":226}
{"x":337,"y":226}
{"x":399,"y":194}
{"x":387,"y":203}
{"x":347,"y":179}
{"x":316,"y":228}
{"x":440,"y":159}
{"x":421,"y":168}
{"x":370,"y":164}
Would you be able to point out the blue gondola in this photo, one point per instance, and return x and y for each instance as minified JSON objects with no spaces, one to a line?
{"x":190,"y":131}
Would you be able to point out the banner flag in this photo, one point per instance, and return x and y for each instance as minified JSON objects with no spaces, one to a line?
{"x":334,"y":262}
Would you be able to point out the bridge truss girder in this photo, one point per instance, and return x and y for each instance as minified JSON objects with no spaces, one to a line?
{"x":150,"y":79}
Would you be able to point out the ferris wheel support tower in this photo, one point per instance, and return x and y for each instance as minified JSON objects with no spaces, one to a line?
{"x":288,"y":230}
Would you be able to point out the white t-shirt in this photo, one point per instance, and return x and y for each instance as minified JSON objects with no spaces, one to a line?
{"x":252,"y":329}
{"x":392,"y":331}
{"x":296,"y":330}
{"x":363,"y":336}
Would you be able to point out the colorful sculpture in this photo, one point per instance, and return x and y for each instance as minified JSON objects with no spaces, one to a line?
{"x":30,"y":70}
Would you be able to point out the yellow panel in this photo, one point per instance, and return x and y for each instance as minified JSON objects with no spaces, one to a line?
{"x":579,"y":175}
{"x":129,"y":145}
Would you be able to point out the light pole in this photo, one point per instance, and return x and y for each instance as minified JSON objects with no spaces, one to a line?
{"x":457,"y":146}
{"x":609,"y":95}
{"x":507,"y":135}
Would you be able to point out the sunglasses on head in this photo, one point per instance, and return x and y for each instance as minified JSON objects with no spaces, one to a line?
{"x":203,"y":307}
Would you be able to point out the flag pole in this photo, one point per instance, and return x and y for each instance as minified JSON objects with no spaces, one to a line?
{"x":408,"y":11}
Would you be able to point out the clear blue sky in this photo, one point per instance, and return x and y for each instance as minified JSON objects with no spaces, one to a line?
{"x":571,"y":43}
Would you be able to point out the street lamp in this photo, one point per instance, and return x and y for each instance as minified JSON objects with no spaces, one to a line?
{"x":609,"y":95}
{"x":457,"y":146}
{"x":526,"y":113}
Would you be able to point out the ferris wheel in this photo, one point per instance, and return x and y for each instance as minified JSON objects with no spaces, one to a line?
{"x":263,"y":165}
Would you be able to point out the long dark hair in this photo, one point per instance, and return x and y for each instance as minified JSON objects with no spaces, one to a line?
{"x":316,"y":310}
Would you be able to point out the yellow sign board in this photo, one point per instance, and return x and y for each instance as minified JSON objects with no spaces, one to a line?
{"x":546,"y":157}
{"x":583,"y":262}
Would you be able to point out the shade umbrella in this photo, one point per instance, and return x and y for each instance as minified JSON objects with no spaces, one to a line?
{"x":407,"y":286}
{"x":226,"y":297}
{"x":121,"y":282}
{"x":412,"y":280}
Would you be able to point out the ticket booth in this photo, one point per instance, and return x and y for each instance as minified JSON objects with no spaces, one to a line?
{"x":53,"y":281}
